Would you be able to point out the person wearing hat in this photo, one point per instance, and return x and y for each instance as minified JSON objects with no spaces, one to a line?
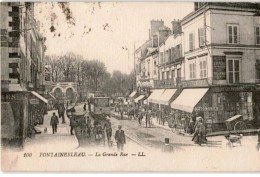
{"x":167,"y":147}
{"x":120,"y":138}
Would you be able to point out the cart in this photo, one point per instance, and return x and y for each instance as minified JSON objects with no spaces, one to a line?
{"x":236,"y":123}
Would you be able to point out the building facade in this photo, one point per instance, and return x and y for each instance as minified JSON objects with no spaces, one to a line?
{"x":22,"y":72}
{"x":213,"y":53}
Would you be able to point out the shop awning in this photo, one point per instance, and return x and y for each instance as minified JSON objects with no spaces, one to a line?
{"x":132,"y":94}
{"x":139,"y":98}
{"x":166,"y":96}
{"x":188,"y":99}
{"x":155,"y":96}
{"x":40,"y":97}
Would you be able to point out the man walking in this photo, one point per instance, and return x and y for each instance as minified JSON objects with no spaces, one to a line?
{"x":120,"y":138}
{"x":54,"y":123}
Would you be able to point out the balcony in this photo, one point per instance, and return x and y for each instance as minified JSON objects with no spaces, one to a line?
{"x":169,"y":83}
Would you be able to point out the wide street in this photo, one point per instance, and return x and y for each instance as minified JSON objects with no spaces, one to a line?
{"x":139,"y":140}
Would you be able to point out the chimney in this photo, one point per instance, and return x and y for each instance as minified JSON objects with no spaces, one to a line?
{"x":176,"y":27}
{"x":155,"y":25}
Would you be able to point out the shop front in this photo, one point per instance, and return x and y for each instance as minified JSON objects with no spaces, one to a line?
{"x":14,"y":118}
{"x":153,"y":99}
{"x":219,"y":103}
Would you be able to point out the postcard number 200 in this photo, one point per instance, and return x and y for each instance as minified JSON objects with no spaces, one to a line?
{"x":27,"y":154}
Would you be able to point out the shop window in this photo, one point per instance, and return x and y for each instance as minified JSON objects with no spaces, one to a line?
{"x":233,"y":33}
{"x":257,"y":35}
{"x":192,"y":71}
{"x":233,"y":71}
{"x":203,"y":69}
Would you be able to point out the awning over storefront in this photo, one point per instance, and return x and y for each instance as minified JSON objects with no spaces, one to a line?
{"x":40,"y":97}
{"x":188,"y":99}
{"x":166,"y":96}
{"x":132,"y":94}
{"x":155,"y":96}
{"x":139,"y":98}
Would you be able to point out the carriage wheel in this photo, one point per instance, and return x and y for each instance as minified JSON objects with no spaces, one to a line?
{"x":240,"y":126}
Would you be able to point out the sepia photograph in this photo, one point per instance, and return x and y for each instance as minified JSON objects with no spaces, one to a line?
{"x":130,"y":86}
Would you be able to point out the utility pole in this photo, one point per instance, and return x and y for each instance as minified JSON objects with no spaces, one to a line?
{"x":134,"y":67}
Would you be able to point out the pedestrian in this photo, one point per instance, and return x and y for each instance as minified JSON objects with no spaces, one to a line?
{"x":120,"y":138}
{"x":147,"y":119}
{"x":71,"y":124}
{"x":140,"y":118}
{"x":167,"y":147}
{"x":88,"y":121}
{"x":122,"y":114}
{"x":63,"y":113}
{"x":109,"y":132}
{"x":54,"y":122}
{"x":84,"y":107}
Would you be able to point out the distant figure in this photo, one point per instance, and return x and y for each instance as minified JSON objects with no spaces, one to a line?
{"x":54,"y":122}
{"x":109,"y":132}
{"x":71,"y":124}
{"x":147,"y":119}
{"x":63,"y":113}
{"x":167,"y":147}
{"x":140,"y":118}
{"x":84,"y":107}
{"x":120,"y":138}
{"x":88,"y":121}
{"x":122,"y":114}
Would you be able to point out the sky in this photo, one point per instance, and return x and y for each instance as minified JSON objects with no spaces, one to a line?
{"x":106,"y":31}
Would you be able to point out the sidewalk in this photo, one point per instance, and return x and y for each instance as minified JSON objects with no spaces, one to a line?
{"x":48,"y":141}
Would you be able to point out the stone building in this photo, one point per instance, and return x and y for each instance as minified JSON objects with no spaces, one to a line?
{"x":22,"y":72}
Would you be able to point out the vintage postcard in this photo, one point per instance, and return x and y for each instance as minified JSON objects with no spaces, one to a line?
{"x":130,"y":86}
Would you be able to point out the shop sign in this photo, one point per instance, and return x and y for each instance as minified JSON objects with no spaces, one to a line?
{"x":219,"y":67}
{"x":195,"y":83}
{"x":34,"y":101}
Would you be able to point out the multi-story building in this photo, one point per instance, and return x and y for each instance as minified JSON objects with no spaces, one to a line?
{"x":221,"y":48}
{"x":22,"y":73}
{"x":216,"y":69}
{"x":147,"y":58}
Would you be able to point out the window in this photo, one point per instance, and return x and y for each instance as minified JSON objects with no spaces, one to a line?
{"x":233,"y":70}
{"x":161,"y":57}
{"x":192,"y":71}
{"x":202,"y":37}
{"x":191,"y":41}
{"x":179,"y":73}
{"x":154,"y":68}
{"x":257,"y":35}
{"x":232,"y":31}
{"x":203,"y":69}
{"x":163,"y":76}
{"x":173,"y":74}
{"x":167,"y":75}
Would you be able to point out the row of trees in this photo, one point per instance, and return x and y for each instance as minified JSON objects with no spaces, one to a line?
{"x":91,"y":75}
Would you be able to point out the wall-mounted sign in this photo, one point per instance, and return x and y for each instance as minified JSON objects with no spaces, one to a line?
{"x":34,"y":101}
{"x":219,"y":68}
